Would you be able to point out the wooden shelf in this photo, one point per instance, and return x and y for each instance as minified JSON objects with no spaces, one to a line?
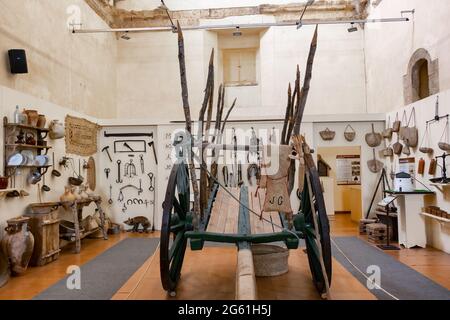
{"x":27,"y":166}
{"x":27,"y":146}
{"x":24,"y":126}
{"x":440,"y":219}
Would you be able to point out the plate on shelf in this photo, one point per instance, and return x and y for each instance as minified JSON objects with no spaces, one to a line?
{"x":16,"y":160}
{"x":41,"y":160}
{"x":29,"y":157}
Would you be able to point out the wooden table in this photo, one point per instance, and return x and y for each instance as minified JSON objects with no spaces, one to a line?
{"x":77,"y":207}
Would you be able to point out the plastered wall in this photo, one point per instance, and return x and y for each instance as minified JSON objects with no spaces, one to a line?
{"x":75,"y":71}
{"x":390,"y":46}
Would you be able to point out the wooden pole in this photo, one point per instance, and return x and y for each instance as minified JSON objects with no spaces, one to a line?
{"x":227,"y":116}
{"x":286,"y":117}
{"x":306,"y":83}
{"x":187,"y":116}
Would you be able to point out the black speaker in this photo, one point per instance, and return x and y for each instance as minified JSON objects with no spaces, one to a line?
{"x":18,"y":61}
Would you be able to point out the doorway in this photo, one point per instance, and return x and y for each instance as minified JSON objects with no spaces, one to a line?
{"x":340,"y":171}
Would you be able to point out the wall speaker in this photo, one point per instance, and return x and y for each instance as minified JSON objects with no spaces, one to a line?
{"x":18,"y":61}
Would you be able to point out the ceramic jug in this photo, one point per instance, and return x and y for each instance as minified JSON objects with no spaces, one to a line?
{"x":57,"y":130}
{"x":33,"y":117}
{"x":41,"y":121}
{"x":18,"y":244}
{"x":67,"y":197}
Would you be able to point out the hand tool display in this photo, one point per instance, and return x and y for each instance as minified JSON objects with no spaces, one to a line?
{"x":130,"y":146}
{"x":119,"y":178}
{"x":123,"y":135}
{"x":106,"y":149}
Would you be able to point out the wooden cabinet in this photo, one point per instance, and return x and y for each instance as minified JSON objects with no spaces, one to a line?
{"x":45,"y":229}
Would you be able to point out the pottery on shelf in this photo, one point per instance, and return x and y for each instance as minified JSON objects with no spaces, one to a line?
{"x":33,"y":117}
{"x":4,"y":183}
{"x":41,"y":121}
{"x":82,"y":192}
{"x":18,"y":244}
{"x":57,"y":130}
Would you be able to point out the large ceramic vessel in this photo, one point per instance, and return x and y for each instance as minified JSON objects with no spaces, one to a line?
{"x":18,"y":244}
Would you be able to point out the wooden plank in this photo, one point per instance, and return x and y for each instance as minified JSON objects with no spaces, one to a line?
{"x":245,"y":276}
{"x":216,"y":212}
{"x":233,"y":213}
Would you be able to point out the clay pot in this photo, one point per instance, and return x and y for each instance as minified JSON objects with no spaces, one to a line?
{"x":33,"y":117}
{"x":4,"y":183}
{"x":57,"y":130}
{"x":82,"y":192}
{"x":67,"y":197}
{"x":41,"y":121}
{"x":18,"y":244}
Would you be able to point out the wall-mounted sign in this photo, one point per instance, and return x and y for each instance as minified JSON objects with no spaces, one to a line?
{"x":348,"y":170}
{"x":407,"y":165}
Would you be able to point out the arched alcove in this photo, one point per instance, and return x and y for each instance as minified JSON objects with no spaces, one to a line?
{"x":422,"y":78}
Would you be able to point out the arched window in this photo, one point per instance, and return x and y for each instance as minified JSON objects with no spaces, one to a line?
{"x":422,"y":78}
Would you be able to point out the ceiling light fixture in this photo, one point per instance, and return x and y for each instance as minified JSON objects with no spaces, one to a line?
{"x":353,"y":28}
{"x":237,"y":32}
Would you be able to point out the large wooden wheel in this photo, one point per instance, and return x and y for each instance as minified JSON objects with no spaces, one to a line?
{"x":305,"y":223}
{"x":176,"y":208}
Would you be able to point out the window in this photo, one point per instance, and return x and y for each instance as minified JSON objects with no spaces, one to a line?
{"x":420,"y":79}
{"x":239,"y":67}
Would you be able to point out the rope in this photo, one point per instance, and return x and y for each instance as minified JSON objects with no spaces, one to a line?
{"x":362,"y":273}
{"x":144,"y":273}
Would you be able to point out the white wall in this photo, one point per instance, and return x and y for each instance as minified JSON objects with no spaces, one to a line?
{"x":148,"y":73}
{"x":390,"y":46}
{"x":75,"y":71}
{"x":438,"y":235}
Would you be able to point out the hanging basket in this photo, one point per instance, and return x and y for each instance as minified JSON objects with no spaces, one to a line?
{"x":327,"y":134}
{"x":387,"y":152}
{"x":349,"y":133}
{"x":396,"y":125}
{"x":397,"y":147}
{"x":387,"y":133}
{"x":410,"y":133}
{"x":444,"y":144}
{"x":424,"y":147}
{"x":373,"y":139}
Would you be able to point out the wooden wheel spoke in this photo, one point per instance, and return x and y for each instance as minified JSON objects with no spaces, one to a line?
{"x":178,"y":209}
{"x":176,"y":245}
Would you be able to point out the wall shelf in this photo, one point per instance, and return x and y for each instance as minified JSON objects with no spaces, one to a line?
{"x":25,"y":127}
{"x":440,"y":219}
{"x":27,"y":146}
{"x":5,"y":192}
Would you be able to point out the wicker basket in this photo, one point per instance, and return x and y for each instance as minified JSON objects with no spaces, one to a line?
{"x":327,"y":134}
{"x":270,"y":260}
{"x":349,"y":135}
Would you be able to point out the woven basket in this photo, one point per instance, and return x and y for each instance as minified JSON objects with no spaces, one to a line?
{"x":373,"y":139}
{"x":327,"y":134}
{"x":426,"y":150}
{"x":270,"y":260}
{"x":388,"y":152}
{"x":349,"y":135}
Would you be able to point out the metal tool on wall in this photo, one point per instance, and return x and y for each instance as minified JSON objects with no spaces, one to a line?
{"x":152,"y":145}
{"x":124,"y":135}
{"x":107,"y":172}
{"x":141,"y":159}
{"x":130,"y":146}
{"x":110,"y":201}
{"x":130,"y":169}
{"x":119,"y":178}
{"x":151,"y":176}
{"x":55,"y":173}
{"x":106,"y":150}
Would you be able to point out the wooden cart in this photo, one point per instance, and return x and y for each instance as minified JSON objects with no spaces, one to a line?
{"x":242,"y":229}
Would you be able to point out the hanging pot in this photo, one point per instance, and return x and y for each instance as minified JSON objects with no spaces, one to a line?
{"x":444,"y":140}
{"x":387,"y":133}
{"x":373,"y":139}
{"x":375,"y":165}
{"x":410,"y":133}
{"x":424,"y":147}
{"x":349,"y":133}
{"x":327,"y":134}
{"x":18,"y":244}
{"x":396,"y":125}
{"x":397,"y":147}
